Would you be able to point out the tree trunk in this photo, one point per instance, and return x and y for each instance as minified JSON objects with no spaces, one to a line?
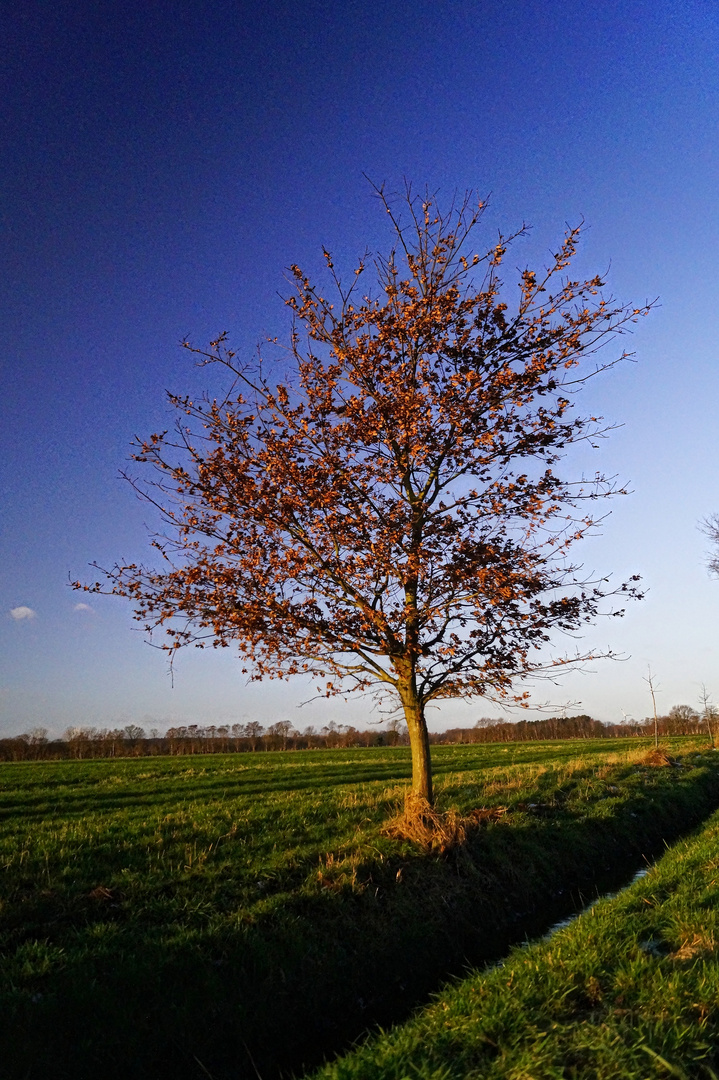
{"x":418,"y":738}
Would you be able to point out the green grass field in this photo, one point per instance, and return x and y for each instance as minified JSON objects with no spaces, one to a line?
{"x":221,"y":915}
{"x":628,"y":991}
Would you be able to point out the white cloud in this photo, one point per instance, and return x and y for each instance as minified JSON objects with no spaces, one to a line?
{"x":22,"y":612}
{"x":82,"y":607}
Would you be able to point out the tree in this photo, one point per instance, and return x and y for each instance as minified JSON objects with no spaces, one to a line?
{"x":650,"y":680}
{"x":386,"y":514}
{"x":711,"y":527}
{"x":681,"y":720}
{"x":281,"y":731}
{"x":254,"y":732}
{"x":709,"y":712}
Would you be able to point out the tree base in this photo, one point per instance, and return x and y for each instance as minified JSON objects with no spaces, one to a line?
{"x":437,"y":832}
{"x":658,"y":759}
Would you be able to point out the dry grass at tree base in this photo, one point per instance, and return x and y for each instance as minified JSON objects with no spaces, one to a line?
{"x":435,"y":831}
{"x":659,"y":760}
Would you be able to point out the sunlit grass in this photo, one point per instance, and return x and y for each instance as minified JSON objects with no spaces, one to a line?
{"x":89,"y":824}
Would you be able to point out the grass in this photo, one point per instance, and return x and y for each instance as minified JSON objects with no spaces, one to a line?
{"x":628,"y":991}
{"x":181,"y":916}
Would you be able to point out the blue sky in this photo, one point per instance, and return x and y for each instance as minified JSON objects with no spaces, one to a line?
{"x":164,"y":163}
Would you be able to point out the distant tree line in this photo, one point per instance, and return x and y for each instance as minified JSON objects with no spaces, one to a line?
{"x":133,"y":741}
{"x":681,"y":720}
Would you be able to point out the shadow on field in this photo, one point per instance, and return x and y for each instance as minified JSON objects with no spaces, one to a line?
{"x":311,"y":970}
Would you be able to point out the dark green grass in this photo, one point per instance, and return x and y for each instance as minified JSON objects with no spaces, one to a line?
{"x":628,"y":991}
{"x":169,"y":916}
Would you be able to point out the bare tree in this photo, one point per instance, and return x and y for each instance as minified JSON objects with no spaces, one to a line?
{"x":653,"y":690}
{"x":710,"y":526}
{"x":709,"y":713}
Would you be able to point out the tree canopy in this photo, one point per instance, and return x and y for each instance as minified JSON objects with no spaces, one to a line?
{"x":387,"y":514}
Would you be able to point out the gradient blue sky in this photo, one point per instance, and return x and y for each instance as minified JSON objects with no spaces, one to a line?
{"x":163,"y":163}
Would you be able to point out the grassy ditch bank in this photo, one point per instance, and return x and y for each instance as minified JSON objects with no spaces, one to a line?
{"x":628,"y":991}
{"x":182,"y":917}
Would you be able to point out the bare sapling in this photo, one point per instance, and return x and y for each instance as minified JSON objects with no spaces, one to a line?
{"x":653,"y":690}
{"x":709,"y":713}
